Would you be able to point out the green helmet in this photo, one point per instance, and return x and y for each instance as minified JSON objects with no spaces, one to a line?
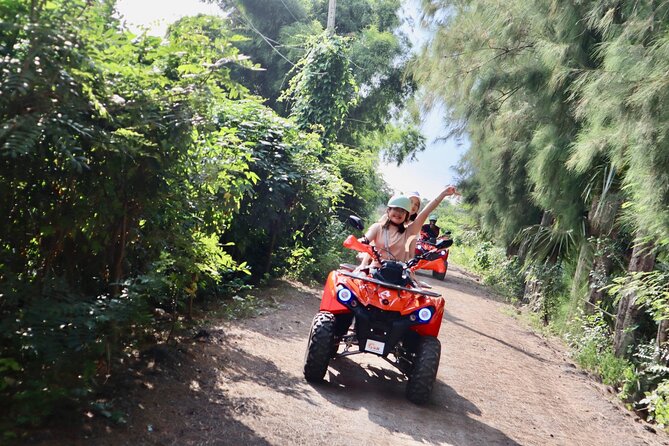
{"x":400,"y":201}
{"x":433,"y":217}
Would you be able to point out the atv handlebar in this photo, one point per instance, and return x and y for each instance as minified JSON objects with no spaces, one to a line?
{"x":362,"y":245}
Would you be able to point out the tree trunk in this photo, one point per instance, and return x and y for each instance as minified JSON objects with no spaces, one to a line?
{"x":602,"y":266}
{"x":601,"y":224}
{"x":533,"y":294}
{"x":582,"y":267}
{"x":122,"y":233}
{"x":270,"y":249}
{"x":662,"y":333}
{"x":547,"y":219}
{"x":628,"y":315}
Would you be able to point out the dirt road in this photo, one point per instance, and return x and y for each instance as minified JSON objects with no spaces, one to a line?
{"x":498,"y":384}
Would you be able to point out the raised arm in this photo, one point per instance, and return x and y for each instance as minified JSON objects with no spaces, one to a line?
{"x":415,"y":225}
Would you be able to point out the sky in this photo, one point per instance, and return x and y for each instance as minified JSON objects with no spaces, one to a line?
{"x":432,"y":170}
{"x":158,"y":14}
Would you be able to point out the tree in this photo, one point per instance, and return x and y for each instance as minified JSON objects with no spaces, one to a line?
{"x":114,"y":181}
{"x":570,"y":93}
{"x":277,"y":32}
{"x":323,"y":88}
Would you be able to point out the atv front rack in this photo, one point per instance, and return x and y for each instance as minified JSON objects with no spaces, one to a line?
{"x":390,"y":285}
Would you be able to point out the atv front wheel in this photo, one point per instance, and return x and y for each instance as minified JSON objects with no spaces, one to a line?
{"x":424,"y":370}
{"x":319,"y":349}
{"x":440,"y":276}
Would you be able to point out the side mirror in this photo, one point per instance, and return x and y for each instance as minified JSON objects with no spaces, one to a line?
{"x":356,"y":222}
{"x":444,"y":244}
{"x":447,"y":233}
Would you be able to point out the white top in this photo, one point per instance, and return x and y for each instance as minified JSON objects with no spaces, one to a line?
{"x":390,"y":243}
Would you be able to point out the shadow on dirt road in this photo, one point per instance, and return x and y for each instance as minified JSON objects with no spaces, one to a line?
{"x":379,"y":390}
{"x":243,"y":384}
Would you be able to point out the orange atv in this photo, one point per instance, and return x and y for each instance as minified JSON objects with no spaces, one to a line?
{"x":438,"y":265}
{"x":395,"y":319}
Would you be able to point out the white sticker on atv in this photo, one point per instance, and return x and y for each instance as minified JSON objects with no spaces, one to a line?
{"x":374,"y":346}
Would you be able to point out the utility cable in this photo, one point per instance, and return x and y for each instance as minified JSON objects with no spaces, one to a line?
{"x":262,"y":36}
{"x":291,"y":12}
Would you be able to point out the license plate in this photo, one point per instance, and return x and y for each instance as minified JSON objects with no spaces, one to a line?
{"x":373,"y":346}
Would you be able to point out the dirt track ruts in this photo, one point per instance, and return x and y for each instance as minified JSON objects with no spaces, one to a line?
{"x":498,"y":384}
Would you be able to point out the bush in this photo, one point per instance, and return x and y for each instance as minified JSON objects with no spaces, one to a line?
{"x":506,"y":276}
{"x":466,"y":238}
{"x":483,"y":256}
{"x":656,"y":403}
{"x":593,"y":351}
{"x":325,"y":253}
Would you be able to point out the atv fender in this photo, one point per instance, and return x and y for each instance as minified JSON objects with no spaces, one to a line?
{"x":431,"y":329}
{"x":435,"y":265}
{"x":329,"y":300}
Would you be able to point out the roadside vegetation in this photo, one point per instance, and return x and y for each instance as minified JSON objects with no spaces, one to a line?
{"x":564,"y":106}
{"x":638,"y":379}
{"x":143,"y":176}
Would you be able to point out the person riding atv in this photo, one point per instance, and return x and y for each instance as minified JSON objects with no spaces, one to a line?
{"x":431,"y":230}
{"x":394,"y":314}
{"x":415,"y":205}
{"x":396,"y":318}
{"x":395,"y":236}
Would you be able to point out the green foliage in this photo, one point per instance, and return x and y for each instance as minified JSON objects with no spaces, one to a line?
{"x":399,"y":144}
{"x":353,"y":15}
{"x":136,"y":175}
{"x":364,"y":188}
{"x":506,"y":277}
{"x":119,"y":173}
{"x":650,"y":288}
{"x":293,"y":201}
{"x":633,"y":136}
{"x":323,"y":254}
{"x":323,"y":87}
{"x":502,"y":273}
{"x":542,"y":243}
{"x":565,"y":108}
{"x":287,"y":24}
{"x":656,"y":403}
{"x":591,"y":341}
{"x":483,"y":255}
{"x":377,"y":54}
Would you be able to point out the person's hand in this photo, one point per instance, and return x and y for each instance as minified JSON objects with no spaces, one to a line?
{"x":451,"y":190}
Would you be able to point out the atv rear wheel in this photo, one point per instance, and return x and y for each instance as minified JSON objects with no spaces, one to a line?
{"x":424,"y":371}
{"x":320,"y":347}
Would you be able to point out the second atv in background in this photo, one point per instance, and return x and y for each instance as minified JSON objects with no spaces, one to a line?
{"x":439,"y":265}
{"x":429,"y":239}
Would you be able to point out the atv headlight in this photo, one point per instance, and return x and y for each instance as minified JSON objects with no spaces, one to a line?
{"x":344,"y":295}
{"x":424,"y":314}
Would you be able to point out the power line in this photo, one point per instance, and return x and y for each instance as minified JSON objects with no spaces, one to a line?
{"x":291,"y":12}
{"x":273,"y":43}
{"x":262,"y":36}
